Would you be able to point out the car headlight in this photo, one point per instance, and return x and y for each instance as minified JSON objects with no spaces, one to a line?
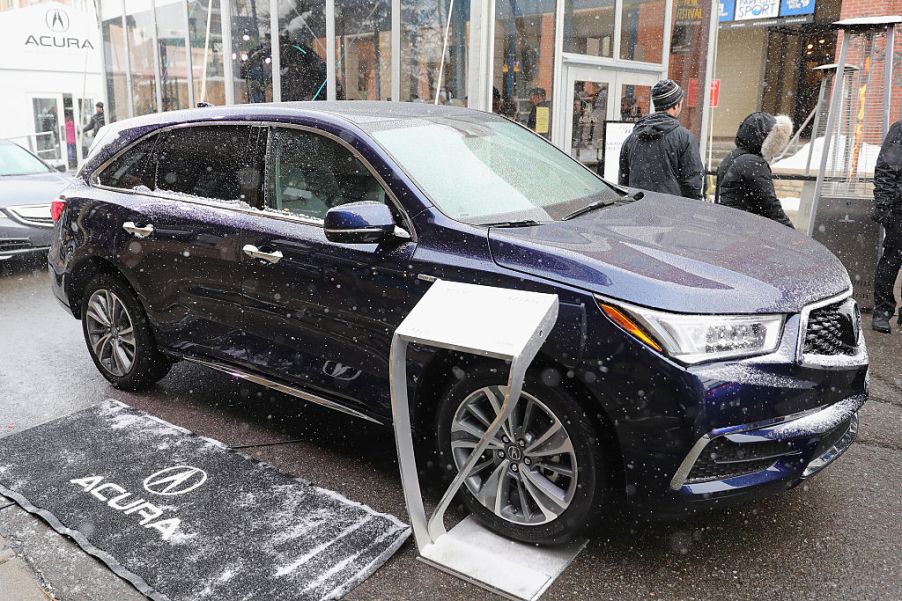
{"x":697,"y":338}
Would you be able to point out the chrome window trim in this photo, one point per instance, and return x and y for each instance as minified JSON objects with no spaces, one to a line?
{"x":93,"y":178}
{"x":830,"y":361}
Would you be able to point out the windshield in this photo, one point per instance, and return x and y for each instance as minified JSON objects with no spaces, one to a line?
{"x":16,"y":161}
{"x":481,"y":169}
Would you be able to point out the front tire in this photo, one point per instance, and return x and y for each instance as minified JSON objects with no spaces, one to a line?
{"x":542,"y":478}
{"x":118,"y":335}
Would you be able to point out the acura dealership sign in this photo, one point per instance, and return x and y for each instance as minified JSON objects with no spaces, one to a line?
{"x":57,"y":22}
{"x":49,"y":37}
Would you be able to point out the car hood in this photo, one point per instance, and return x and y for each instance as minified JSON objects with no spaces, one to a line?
{"x":40,"y":188}
{"x":678,"y":255}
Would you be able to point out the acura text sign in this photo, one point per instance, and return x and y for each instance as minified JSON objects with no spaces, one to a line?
{"x":49,"y":37}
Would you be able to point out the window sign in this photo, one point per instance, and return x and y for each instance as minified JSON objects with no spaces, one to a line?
{"x":796,"y":7}
{"x":756,"y":9}
{"x":738,"y":11}
{"x":726,"y":10}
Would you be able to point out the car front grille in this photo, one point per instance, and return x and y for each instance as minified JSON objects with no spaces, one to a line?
{"x":723,"y":458}
{"x":831,"y":330}
{"x":33,"y":214}
{"x":9,"y":244}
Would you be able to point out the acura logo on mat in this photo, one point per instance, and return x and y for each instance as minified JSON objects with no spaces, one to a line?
{"x":175,"y":480}
{"x":57,"y":20}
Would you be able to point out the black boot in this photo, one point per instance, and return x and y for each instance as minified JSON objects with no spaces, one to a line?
{"x":899,"y":321}
{"x":880,"y":322}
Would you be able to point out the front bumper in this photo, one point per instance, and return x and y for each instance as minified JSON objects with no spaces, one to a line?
{"x":19,"y":237}
{"x":730,"y":461}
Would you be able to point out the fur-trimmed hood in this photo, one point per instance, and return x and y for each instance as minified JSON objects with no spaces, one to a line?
{"x":764,"y":134}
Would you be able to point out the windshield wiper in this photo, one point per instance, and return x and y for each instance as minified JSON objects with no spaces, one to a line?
{"x":521,"y":223}
{"x":598,"y":204}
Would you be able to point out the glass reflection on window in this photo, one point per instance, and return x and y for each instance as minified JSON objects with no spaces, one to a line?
{"x":251,"y":51}
{"x":302,"y":49}
{"x":589,"y":27}
{"x":114,"y":60}
{"x":642,"y":30}
{"x":205,"y":34}
{"x":140,"y":34}
{"x":422,"y":34}
{"x":524,"y":62}
{"x":173,"y":54}
{"x":363,"y":49}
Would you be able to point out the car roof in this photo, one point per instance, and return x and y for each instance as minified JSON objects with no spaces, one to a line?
{"x":357,"y":112}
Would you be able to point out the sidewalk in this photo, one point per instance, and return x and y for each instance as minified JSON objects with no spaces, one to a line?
{"x":16,"y":578}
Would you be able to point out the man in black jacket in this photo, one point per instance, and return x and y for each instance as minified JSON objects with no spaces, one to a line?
{"x":744,"y":178}
{"x":661,"y":155}
{"x":888,"y":213}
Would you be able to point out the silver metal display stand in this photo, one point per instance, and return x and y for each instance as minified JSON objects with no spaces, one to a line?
{"x":492,"y":322}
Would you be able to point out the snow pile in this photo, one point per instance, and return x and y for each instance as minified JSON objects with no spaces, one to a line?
{"x":795,"y":163}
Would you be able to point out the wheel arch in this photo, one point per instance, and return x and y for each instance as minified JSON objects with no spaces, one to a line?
{"x":86,"y":270}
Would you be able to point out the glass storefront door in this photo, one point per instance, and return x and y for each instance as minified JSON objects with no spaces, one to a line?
{"x":48,"y":127}
{"x":599,"y":94}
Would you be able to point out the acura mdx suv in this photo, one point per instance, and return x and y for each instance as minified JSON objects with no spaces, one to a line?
{"x":701,"y":355}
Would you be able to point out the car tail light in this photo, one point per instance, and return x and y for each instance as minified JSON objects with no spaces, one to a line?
{"x":56,"y":209}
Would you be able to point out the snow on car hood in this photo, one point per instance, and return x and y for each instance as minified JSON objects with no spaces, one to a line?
{"x":38,"y":188}
{"x":678,"y":255}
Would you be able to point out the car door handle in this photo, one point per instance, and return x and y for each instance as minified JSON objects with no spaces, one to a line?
{"x":137,"y":232}
{"x":255,"y":253}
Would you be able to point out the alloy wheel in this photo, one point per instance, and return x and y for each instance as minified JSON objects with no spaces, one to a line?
{"x":111,"y":333}
{"x":528,"y":473}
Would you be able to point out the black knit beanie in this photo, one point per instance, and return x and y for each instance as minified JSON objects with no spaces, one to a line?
{"x":665,"y":94}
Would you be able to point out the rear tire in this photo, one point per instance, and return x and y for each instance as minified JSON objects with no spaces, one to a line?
{"x":118,"y":335}
{"x":557,"y":489}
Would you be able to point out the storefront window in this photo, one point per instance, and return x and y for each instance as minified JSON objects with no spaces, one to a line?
{"x":205,"y":35}
{"x":302,"y":49}
{"x":114,"y":64}
{"x":422,"y":30}
{"x":173,"y":54}
{"x":524,"y":62}
{"x":363,"y":49}
{"x":589,"y":27}
{"x":251,"y":51}
{"x":139,"y":20}
{"x":642,"y":30}
{"x":689,"y":47}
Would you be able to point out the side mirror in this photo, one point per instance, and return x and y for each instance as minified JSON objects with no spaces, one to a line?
{"x":60,"y":168}
{"x":365,"y":222}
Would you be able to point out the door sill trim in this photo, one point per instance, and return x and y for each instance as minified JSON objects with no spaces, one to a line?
{"x":296,"y":392}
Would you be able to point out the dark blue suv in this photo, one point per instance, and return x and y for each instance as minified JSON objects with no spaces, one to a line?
{"x":701,"y":354}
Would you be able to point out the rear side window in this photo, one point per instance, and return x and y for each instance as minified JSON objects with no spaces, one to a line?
{"x":134,"y":168}
{"x":309,"y":174}
{"x":223,"y":162}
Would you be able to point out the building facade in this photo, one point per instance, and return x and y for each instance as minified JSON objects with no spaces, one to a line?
{"x":564,"y":67}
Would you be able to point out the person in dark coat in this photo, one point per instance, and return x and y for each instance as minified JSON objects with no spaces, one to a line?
{"x":96,"y":121}
{"x":661,"y":155}
{"x":888,"y":213}
{"x":744,"y":178}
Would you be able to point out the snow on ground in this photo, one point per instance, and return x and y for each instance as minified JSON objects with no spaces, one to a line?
{"x":795,"y":163}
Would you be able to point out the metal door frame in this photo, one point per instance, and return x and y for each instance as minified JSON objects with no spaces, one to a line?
{"x":60,"y":125}
{"x":600,"y":72}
